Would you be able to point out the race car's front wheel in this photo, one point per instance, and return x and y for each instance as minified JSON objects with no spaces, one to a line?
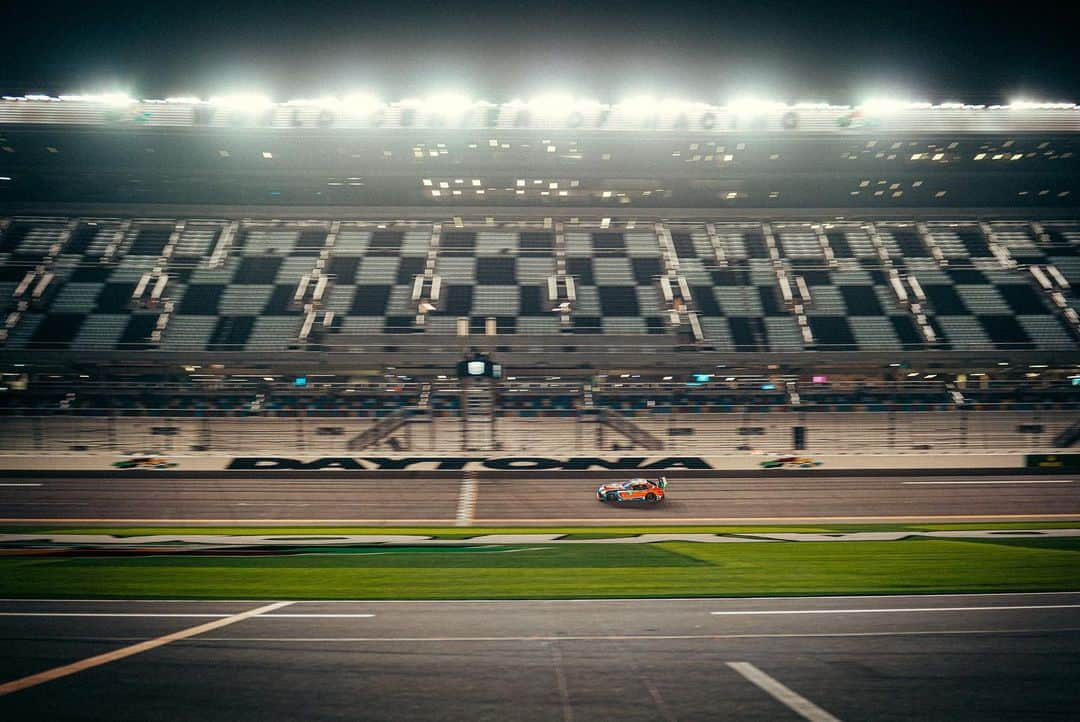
{"x":611,"y":496}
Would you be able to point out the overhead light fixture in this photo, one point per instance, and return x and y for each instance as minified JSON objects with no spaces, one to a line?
{"x":448,"y":104}
{"x":361,"y":103}
{"x":242,"y":101}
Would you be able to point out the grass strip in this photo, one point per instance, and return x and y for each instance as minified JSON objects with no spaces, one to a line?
{"x":669,"y":569}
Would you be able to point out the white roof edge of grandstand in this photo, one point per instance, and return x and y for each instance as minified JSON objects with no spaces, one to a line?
{"x":568,"y":104}
{"x":551,"y":113}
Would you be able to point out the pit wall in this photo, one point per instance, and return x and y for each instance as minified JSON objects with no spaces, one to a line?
{"x":480,"y":462}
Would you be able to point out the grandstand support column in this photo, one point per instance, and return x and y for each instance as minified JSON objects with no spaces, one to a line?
{"x":205,"y":435}
{"x":111,"y":435}
{"x":478,"y":414}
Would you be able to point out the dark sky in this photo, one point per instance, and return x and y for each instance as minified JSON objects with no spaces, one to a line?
{"x":841,"y":52}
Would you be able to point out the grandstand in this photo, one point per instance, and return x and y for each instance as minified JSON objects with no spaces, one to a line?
{"x":908,"y":271}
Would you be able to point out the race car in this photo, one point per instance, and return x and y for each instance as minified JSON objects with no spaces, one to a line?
{"x":145,"y":462}
{"x":642,"y":491}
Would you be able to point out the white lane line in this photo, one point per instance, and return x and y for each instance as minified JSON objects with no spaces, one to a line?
{"x":48,"y":675}
{"x":317,"y":616}
{"x":179,"y":615}
{"x":645,"y":637}
{"x":785,"y":695}
{"x":895,"y":610}
{"x":20,"y":484}
{"x":1027,"y":481}
{"x":560,"y":681}
{"x":466,"y":509}
{"x":107,"y":614}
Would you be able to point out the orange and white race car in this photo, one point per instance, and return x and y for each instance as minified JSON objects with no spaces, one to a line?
{"x":641,"y":491}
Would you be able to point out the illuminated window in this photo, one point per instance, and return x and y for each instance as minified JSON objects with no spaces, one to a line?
{"x":267,"y":154}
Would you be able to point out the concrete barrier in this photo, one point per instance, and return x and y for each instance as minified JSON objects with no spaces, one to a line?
{"x":503,"y":463}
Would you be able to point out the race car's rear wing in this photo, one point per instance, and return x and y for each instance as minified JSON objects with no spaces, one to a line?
{"x":662,"y":483}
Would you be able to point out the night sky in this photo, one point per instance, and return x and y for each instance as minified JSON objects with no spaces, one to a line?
{"x":840,"y":52}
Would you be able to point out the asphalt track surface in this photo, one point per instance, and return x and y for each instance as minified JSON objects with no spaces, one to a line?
{"x":519,"y":499}
{"x":950,"y":657}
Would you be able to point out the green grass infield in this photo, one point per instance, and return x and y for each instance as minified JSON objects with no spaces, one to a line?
{"x":665,"y":569}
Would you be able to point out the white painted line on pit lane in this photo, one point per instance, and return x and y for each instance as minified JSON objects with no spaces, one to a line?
{"x":75,"y":667}
{"x":1028,"y":481}
{"x":897,"y":610}
{"x":641,"y":637}
{"x":20,"y":484}
{"x":785,"y":695}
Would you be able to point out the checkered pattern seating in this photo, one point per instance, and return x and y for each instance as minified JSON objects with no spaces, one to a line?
{"x":246,"y":301}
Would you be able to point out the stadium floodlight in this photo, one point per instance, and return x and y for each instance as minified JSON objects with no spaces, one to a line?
{"x":450,"y":105}
{"x":361,"y":103}
{"x":1022,"y":104}
{"x":242,"y":101}
{"x":677,"y":106}
{"x":113,"y":99}
{"x":560,"y":104}
{"x":750,"y":105}
{"x":552,"y":104}
{"x":328,"y":101}
{"x":638,"y":106}
{"x":184,"y":100}
{"x":884,"y":106}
